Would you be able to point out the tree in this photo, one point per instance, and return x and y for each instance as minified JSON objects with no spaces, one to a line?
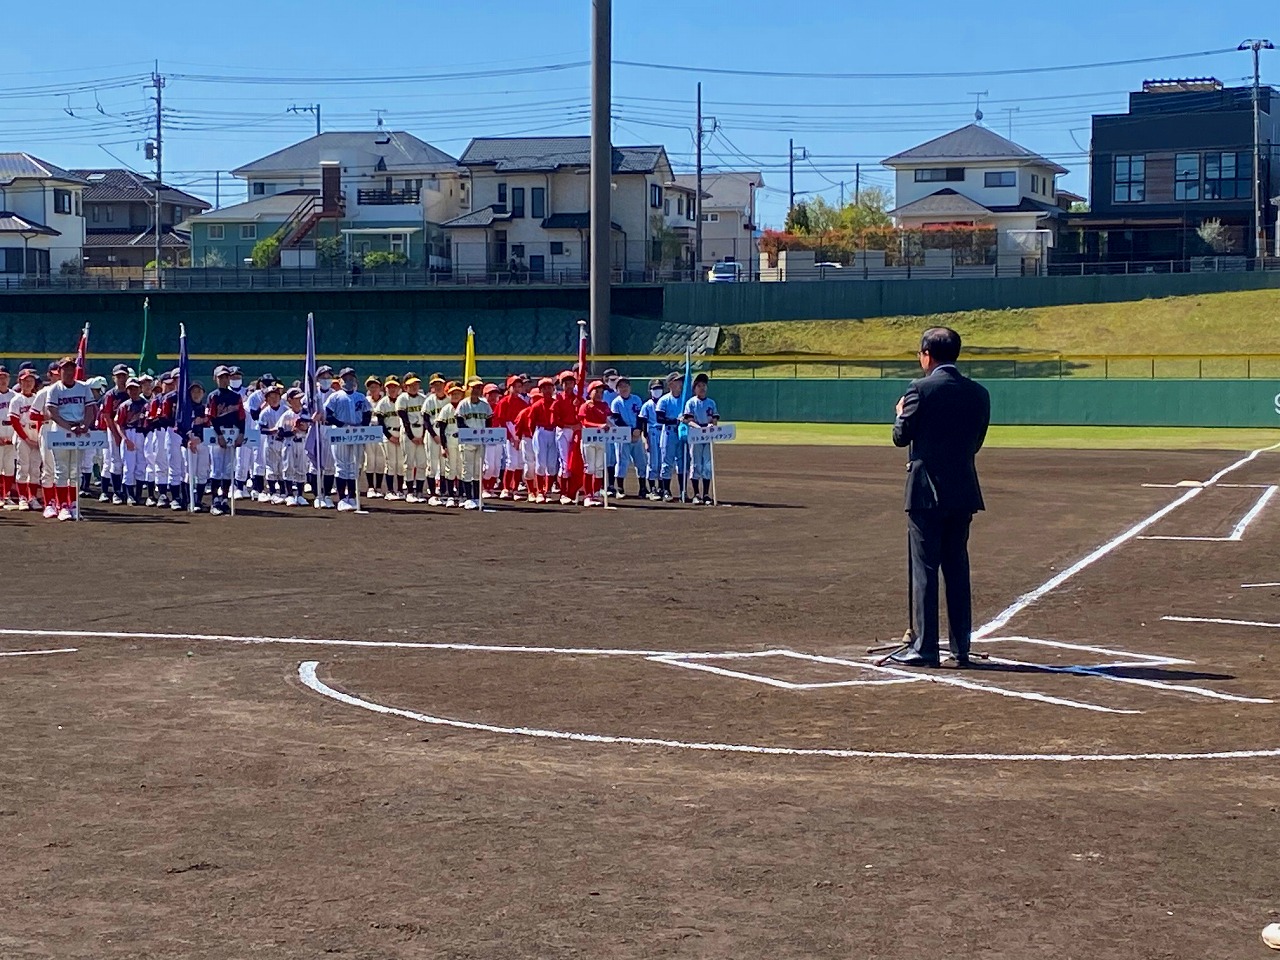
{"x":266,"y":252}
{"x":1079,"y":206}
{"x":798,"y":220}
{"x":213,"y":258}
{"x":329,"y":251}
{"x":1216,"y":236}
{"x":666,"y":242}
{"x":871,"y":210}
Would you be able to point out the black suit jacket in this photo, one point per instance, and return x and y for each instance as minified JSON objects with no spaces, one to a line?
{"x":944,"y":421}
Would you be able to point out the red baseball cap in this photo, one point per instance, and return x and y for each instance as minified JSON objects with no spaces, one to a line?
{"x":595,"y":383}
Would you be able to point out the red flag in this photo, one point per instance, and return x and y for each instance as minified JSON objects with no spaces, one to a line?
{"x":82,"y":368}
{"x":582,"y":359}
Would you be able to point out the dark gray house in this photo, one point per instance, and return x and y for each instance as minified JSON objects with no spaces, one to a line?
{"x":1168,"y":172}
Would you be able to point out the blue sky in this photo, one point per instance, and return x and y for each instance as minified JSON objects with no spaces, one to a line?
{"x":90,"y":65}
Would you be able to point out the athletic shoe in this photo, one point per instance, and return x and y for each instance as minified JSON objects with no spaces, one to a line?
{"x":277,"y":499}
{"x":162,"y":501}
{"x":373,"y":494}
{"x":393,"y":496}
{"x":470,"y":505}
{"x":555,"y":487}
{"x":65,"y":514}
{"x":237,"y":494}
{"x":216,"y":510}
{"x":540,"y":498}
{"x":105,"y":498}
{"x":24,"y":505}
{"x":505,"y":495}
{"x":414,"y":498}
{"x":486,"y":495}
{"x":197,"y":509}
{"x":118,"y":500}
{"x":306,"y":488}
{"x":668,"y":498}
{"x":696,"y":501}
{"x":619,"y":495}
{"x":175,"y":506}
{"x":434,"y":501}
{"x":50,"y":512}
{"x":151,"y":501}
{"x":346,"y":506}
{"x":591,"y":502}
{"x":565,"y":501}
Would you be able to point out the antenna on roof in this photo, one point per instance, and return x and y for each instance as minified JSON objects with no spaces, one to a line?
{"x":979,"y":94}
{"x":380,"y":113}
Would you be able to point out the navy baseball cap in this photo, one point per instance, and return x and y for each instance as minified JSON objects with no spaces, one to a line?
{"x":120,"y":368}
{"x":347,"y":372}
{"x":221,"y":371}
{"x":323,"y":369}
{"x":268,"y":379}
{"x":3,"y":368}
{"x":233,"y":370}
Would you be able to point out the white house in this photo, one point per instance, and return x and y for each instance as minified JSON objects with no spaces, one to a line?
{"x":382,"y":190}
{"x":974,"y":176}
{"x":41,"y":218}
{"x":728,"y":214}
{"x":530,"y":216}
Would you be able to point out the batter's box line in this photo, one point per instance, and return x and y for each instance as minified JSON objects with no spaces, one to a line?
{"x":699,"y":662}
{"x":1237,"y":532}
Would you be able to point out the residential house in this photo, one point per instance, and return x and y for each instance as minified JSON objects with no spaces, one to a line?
{"x":41,"y":219}
{"x":120,"y":218}
{"x":728,"y":214}
{"x":975,"y":177}
{"x":1172,"y":178}
{"x":530,"y":216}
{"x":383,"y":191}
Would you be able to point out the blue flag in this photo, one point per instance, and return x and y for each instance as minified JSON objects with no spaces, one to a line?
{"x":312,"y":400}
{"x":186,"y":409}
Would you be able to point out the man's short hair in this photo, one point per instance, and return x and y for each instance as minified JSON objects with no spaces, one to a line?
{"x":941,"y":343}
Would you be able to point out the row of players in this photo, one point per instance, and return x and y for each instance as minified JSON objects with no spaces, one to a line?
{"x":419,"y":459}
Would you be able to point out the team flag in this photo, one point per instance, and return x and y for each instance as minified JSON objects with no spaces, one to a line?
{"x":582,"y":359}
{"x":82,"y":368}
{"x":186,"y":411}
{"x":469,"y":360}
{"x":147,"y":362}
{"x":313,"y":392}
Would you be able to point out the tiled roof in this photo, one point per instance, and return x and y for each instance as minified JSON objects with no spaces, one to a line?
{"x":23,"y":166}
{"x":113,"y":183}
{"x":167,"y":239}
{"x":1027,"y":205}
{"x":12,"y":223}
{"x":397,"y":151}
{"x":570,"y":221}
{"x":724,"y":190}
{"x":971,"y":143}
{"x":484,"y":217}
{"x":537,"y":154}
{"x":943,"y":203}
{"x":275,"y":207}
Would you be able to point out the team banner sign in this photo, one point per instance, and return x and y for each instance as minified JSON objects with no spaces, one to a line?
{"x":62,"y":440}
{"x":482,"y":436}
{"x":611,"y":433}
{"x":719,"y":433}
{"x":354,"y":435}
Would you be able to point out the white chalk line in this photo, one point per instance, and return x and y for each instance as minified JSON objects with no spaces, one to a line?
{"x":308,"y":676}
{"x":1251,"y":586}
{"x":1237,"y":532}
{"x":1223,"y":621}
{"x":701,"y":664}
{"x":37,"y":653}
{"x":1027,"y":599}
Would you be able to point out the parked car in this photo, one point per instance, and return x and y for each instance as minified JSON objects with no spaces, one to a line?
{"x":725,"y":272}
{"x":829,"y":266}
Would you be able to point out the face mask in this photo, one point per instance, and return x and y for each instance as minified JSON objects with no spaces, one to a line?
{"x":656,"y":393}
{"x":236,"y":383}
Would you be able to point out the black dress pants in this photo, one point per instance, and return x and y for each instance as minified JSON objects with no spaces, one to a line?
{"x":940,"y":542}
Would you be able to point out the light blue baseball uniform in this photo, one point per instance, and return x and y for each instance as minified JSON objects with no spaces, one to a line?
{"x":669,"y":409}
{"x":700,"y":453}
{"x":627,"y":412}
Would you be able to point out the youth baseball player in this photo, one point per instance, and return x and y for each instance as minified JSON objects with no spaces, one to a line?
{"x":319,"y":448}
{"x":544,"y":439}
{"x":651,"y":430}
{"x":113,"y":464}
{"x":225,"y":410}
{"x":436,"y":401}
{"x":272,"y":445}
{"x":700,"y":410}
{"x":669,"y":409}
{"x":131,"y":420}
{"x":71,"y":409}
{"x":451,"y":454}
{"x":472,"y":412}
{"x":8,"y":457}
{"x":494,"y":475}
{"x":25,"y":421}
{"x":505,"y":411}
{"x":375,"y":461}
{"x":594,"y":412}
{"x":293,"y":428}
{"x":347,"y":407}
{"x":393,"y":434}
{"x":625,"y":411}
{"x":564,"y":414}
{"x":198,"y":459}
{"x":414,"y":438}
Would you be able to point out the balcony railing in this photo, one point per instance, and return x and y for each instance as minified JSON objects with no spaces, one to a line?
{"x":387,"y":198}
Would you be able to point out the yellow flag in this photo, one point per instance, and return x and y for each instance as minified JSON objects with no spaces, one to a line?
{"x":469,"y":364}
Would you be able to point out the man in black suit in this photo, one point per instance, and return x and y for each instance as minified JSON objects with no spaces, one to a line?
{"x":943,"y":419}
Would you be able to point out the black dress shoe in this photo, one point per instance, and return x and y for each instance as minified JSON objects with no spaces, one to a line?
{"x":909,"y":658}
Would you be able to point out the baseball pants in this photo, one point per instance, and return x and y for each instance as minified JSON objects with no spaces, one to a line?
{"x":375,"y":459}
{"x":8,"y":459}
{"x":346,"y":459}
{"x":528,"y":456}
{"x":653,"y":455}
{"x":66,"y":465}
{"x":451,"y":466}
{"x":113,"y":462}
{"x":564,"y":443}
{"x":472,"y":456}
{"x":274,"y":454}
{"x":416,"y":456}
{"x":493,"y":461}
{"x":545,"y":453}
{"x":672,"y":453}
{"x":700,"y":461}
{"x":134,"y":465}
{"x":393,"y":457}
{"x":630,"y":453}
{"x":171,"y":469}
{"x":594,"y":458}
{"x":26,"y":463}
{"x":222,"y":461}
{"x":200,"y":466}
{"x":295,"y":461}
{"x":319,"y":462}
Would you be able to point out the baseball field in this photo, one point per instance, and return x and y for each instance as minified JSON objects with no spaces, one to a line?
{"x":653,"y":731}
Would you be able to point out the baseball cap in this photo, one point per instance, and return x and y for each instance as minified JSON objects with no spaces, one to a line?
{"x":221,"y":371}
{"x":133,"y":382}
{"x":595,"y":383}
{"x":475,"y":382}
{"x":347,"y":372}
{"x":700,"y":378}
{"x":66,"y":362}
{"x":271,"y":388}
{"x":323,"y":369}
{"x":26,"y":365}
{"x":120,"y":368}
{"x":655,"y":383}
{"x":674,"y":376}
{"x":610,"y":374}
{"x":492,"y":388}
{"x":409,"y":380}
{"x":169,"y":376}
{"x":624,"y":380}
{"x":294,"y":393}
{"x":514,"y":379}
{"x":392,"y":380}
{"x":3,"y":368}
{"x":454,"y":388}
{"x":372,"y":379}
{"x":268,"y":378}
{"x":147,"y":376}
{"x":235,"y":371}
{"x":95,"y":383}
{"x":26,"y":373}
{"x":546,"y":382}
{"x":567,"y":375}
{"x":435,"y":378}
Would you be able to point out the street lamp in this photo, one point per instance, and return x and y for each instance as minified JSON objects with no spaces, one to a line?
{"x":1259,"y":228}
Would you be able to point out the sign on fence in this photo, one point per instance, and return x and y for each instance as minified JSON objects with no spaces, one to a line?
{"x":354,"y":435}
{"x":482,"y":436}
{"x":61,"y":440}
{"x":719,"y":433}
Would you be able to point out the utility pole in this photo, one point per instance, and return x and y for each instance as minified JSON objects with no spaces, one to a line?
{"x":857,"y":184}
{"x":1259,"y":227}
{"x":217,"y":189}
{"x":601,"y":217}
{"x":309,"y":108}
{"x":697,"y":197}
{"x":155,"y":149}
{"x":791,"y":170}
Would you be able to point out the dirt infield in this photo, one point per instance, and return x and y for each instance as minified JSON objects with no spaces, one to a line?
{"x":687,"y":754}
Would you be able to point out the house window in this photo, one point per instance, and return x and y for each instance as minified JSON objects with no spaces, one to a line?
{"x":259,"y":189}
{"x":711,"y":218}
{"x":1228,"y":176}
{"x":62,"y":201}
{"x":11,"y":260}
{"x":502,"y":193}
{"x":1186,"y":176}
{"x":400,"y":243}
{"x":679,"y":206}
{"x":1035,"y":183}
{"x":1001,"y":178}
{"x":517,"y":202}
{"x":1130,"y":179}
{"x":110,"y":212}
{"x":177,"y":213}
{"x":666,"y":208}
{"x":655,"y":196}
{"x":940,"y":175}
{"x":216,"y":231}
{"x":79,"y":206}
{"x":248,"y":231}
{"x":538,"y":202}
{"x":93,"y":213}
{"x":557,"y":248}
{"x":517,"y":251}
